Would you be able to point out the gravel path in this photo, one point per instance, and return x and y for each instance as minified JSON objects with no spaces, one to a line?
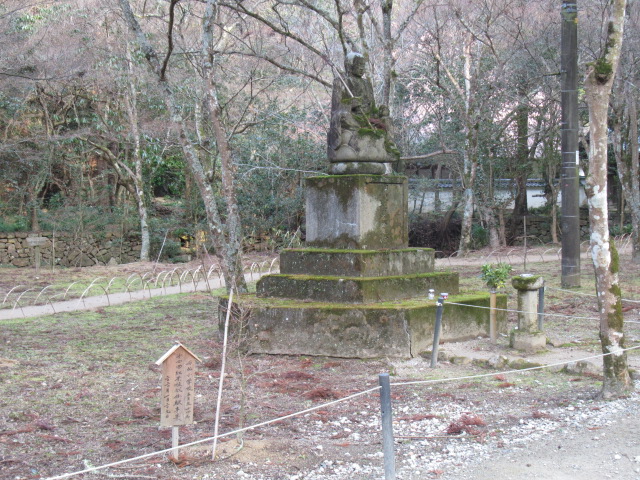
{"x":595,"y":445}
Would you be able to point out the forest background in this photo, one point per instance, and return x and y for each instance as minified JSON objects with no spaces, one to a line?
{"x":178,"y":116}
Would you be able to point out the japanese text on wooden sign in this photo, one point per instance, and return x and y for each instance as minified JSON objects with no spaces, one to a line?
{"x":178,"y":382}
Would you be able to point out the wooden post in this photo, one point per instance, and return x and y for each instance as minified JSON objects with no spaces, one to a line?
{"x":540,"y":308}
{"x":178,"y":382}
{"x":36,"y":243}
{"x":570,"y":173}
{"x":493,"y":323}
{"x":175,"y":453}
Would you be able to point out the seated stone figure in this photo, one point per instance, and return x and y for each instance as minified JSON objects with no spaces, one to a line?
{"x":359,"y":131}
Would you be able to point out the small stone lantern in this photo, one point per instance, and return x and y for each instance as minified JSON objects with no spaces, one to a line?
{"x":527,"y":337}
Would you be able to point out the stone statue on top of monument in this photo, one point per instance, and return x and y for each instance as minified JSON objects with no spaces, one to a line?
{"x":359,"y":139}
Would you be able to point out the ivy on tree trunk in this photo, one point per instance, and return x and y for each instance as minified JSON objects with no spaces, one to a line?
{"x":603,"y":252}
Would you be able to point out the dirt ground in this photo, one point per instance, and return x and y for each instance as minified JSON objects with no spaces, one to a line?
{"x":81,"y":389}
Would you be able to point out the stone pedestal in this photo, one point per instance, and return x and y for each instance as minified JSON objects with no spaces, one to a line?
{"x":527,"y":337}
{"x":357,"y":212}
{"x":357,"y":290}
{"x":399,"y":329}
{"x":356,"y":263}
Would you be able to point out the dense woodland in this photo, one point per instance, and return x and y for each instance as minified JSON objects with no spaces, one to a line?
{"x":182,"y":115}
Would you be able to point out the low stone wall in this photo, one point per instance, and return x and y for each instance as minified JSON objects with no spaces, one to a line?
{"x":69,"y":250}
{"x":539,"y":227}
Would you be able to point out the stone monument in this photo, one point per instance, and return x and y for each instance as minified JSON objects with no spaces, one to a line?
{"x":357,"y":289}
{"x":360,"y":134}
{"x":527,"y":337}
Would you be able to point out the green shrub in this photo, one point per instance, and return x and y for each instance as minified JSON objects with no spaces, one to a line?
{"x":479,"y":237}
{"x":14,"y":224}
{"x":495,"y":276}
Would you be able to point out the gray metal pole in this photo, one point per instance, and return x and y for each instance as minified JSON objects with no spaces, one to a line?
{"x":540,"y":307}
{"x":570,"y":178}
{"x":387,"y":427}
{"x":436,"y":332}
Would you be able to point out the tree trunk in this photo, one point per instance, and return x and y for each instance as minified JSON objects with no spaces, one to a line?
{"x":628,"y":164}
{"x":554,"y":221}
{"x":520,"y":208}
{"x":232,"y":249}
{"x":470,"y":156}
{"x":387,"y":56}
{"x":604,"y":255}
{"x":138,"y":182}
{"x":226,"y":250}
{"x":489,"y":216}
{"x":35,"y":224}
{"x":633,"y":193}
{"x":437,"y":203}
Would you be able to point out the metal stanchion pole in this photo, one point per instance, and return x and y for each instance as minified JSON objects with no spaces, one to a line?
{"x":540,"y":307}
{"x":436,"y":332}
{"x":387,"y":427}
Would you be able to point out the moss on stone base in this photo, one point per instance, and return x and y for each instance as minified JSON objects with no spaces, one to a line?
{"x":393,"y":329}
{"x":357,"y":263}
{"x":355,"y":289}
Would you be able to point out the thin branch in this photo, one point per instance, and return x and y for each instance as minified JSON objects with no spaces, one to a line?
{"x":239,"y":7}
{"x":286,"y":68}
{"x":163,"y":70}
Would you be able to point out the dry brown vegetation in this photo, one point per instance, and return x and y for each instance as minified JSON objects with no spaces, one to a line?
{"x":82,"y":389}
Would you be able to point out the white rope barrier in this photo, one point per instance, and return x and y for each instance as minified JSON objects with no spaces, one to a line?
{"x":516,"y":370}
{"x":209,"y":439}
{"x":521,"y":311}
{"x":344,"y":399}
{"x":588,"y":294}
{"x":334,"y":402}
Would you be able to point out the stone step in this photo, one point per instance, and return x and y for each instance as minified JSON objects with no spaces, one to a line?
{"x":355,"y":289}
{"x":356,"y":263}
{"x":400,"y":329}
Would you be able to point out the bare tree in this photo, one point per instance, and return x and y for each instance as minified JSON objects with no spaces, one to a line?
{"x":225,"y":234}
{"x":624,"y":122}
{"x":598,"y":84}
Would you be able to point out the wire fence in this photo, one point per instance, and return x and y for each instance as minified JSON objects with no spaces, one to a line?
{"x":145,"y":284}
{"x":323,"y":406}
{"x":524,"y":254}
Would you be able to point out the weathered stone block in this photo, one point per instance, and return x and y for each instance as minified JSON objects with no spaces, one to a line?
{"x":357,"y":263}
{"x":528,"y":342}
{"x":527,"y":286}
{"x":20,"y":262}
{"x":357,"y":168}
{"x":355,"y":289}
{"x":357,"y":212}
{"x":401,"y":329}
{"x":527,"y":282}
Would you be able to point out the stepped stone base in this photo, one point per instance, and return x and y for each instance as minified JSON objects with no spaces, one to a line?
{"x":400,"y":329}
{"x":357,"y":263}
{"x":355,"y":289}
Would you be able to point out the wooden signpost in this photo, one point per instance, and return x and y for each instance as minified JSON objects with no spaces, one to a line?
{"x":36,"y":243}
{"x":178,"y":382}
